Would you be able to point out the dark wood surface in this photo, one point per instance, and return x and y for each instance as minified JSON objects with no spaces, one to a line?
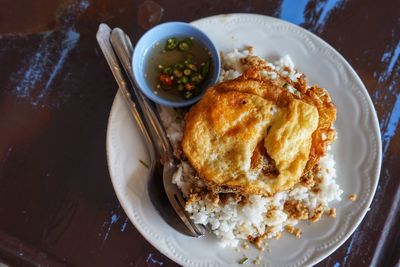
{"x":57,"y":204}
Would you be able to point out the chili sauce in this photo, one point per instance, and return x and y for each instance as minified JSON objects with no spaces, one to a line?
{"x":178,"y":68}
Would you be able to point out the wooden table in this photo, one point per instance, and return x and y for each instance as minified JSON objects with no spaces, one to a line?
{"x":57,"y":204}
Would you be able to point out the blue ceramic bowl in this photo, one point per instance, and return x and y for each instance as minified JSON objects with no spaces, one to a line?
{"x":162,"y":32}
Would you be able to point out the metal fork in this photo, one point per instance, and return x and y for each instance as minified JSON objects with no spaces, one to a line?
{"x":152,"y":129}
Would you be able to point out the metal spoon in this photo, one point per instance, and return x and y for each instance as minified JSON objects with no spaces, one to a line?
{"x":124,"y":50}
{"x":103,"y":38}
{"x":153,"y":132}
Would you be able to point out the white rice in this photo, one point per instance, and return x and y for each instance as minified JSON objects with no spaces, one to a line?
{"x":232,"y":222}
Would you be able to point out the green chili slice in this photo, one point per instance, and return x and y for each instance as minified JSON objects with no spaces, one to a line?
{"x":191,"y":66}
{"x":189,"y":59}
{"x":177,"y":73}
{"x":172,"y":43}
{"x":188,"y":94}
{"x":189,"y":86}
{"x":179,"y":66}
{"x":184,"y":79}
{"x":183,"y":46}
{"x":196,"y":78}
{"x":167,"y":70}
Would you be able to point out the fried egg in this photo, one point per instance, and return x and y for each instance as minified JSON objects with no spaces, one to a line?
{"x":251,"y":136}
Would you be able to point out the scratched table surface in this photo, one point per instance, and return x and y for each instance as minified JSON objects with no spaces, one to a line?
{"x":57,"y":204}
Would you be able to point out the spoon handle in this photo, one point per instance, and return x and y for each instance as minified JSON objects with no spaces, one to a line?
{"x":124,"y":50}
{"x":103,"y":38}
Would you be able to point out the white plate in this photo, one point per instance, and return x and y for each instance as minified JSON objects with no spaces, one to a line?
{"x":357,"y":150}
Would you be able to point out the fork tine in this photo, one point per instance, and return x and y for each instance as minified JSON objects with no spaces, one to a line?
{"x":123,"y":48}
{"x":178,"y":203}
{"x":178,"y":209}
{"x":199,"y":229}
{"x":152,"y":129}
